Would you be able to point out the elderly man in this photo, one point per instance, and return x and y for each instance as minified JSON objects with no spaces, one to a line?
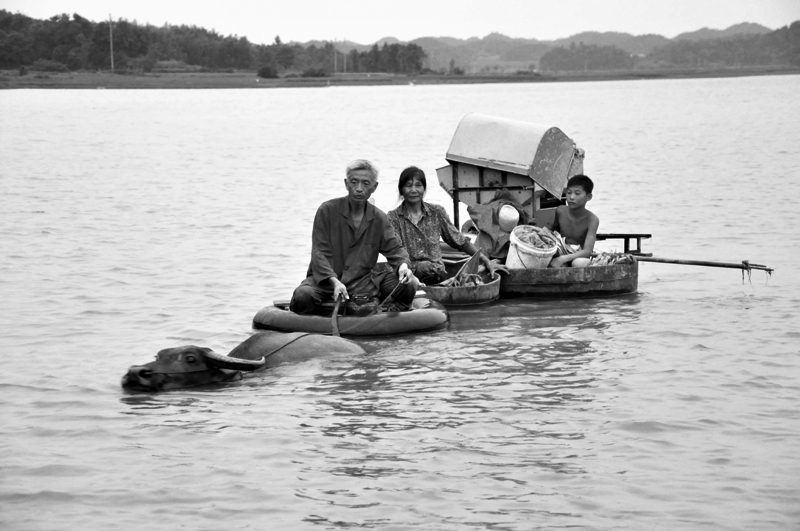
{"x":348,"y":234}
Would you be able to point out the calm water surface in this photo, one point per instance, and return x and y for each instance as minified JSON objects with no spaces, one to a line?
{"x":133,"y":221}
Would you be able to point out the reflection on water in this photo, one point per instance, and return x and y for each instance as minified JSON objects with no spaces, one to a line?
{"x":510,"y":397}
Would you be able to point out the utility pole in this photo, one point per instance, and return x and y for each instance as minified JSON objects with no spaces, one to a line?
{"x":111,"y":39}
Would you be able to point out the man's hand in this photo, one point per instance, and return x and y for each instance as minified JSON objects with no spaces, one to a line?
{"x":339,"y":290}
{"x":405,"y":276}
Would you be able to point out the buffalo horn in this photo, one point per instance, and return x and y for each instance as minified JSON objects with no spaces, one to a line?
{"x":222,"y":361}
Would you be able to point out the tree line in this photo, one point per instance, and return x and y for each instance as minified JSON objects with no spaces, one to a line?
{"x":779,"y":47}
{"x":66,"y":42}
{"x":583,"y":57}
{"x":76,"y":43}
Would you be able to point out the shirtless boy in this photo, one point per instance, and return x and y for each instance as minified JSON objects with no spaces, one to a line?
{"x":576,"y":224}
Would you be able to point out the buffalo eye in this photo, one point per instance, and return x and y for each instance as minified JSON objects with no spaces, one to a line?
{"x":145,"y":373}
{"x":190,"y":359}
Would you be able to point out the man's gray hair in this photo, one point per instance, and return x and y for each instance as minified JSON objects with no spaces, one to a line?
{"x":361,"y":164}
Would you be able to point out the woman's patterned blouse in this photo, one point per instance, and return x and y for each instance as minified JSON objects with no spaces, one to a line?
{"x":422,"y":240}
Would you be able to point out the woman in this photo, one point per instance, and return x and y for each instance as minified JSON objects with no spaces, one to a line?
{"x":419,"y":225}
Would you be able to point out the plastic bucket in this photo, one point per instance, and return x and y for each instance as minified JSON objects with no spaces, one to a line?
{"x":524,"y":256}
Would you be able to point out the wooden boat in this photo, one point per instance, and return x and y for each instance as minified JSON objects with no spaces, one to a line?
{"x":425,"y":315}
{"x":568,"y":282}
{"x":560,"y":283}
{"x":529,"y":164}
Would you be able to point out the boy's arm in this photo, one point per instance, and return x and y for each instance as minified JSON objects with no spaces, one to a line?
{"x":591,"y":237}
{"x":586,"y":248}
{"x":556,"y":225}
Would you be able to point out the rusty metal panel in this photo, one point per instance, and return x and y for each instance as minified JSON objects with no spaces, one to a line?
{"x":543,"y":153}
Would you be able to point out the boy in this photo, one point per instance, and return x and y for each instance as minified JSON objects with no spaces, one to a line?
{"x":576,"y":225}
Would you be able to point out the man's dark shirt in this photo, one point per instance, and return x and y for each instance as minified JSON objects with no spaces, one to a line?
{"x":338,"y":249}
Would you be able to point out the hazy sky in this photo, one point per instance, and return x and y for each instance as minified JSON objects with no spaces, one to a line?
{"x":366,"y":21}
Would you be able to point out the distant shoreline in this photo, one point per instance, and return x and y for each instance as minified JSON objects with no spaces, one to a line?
{"x":11,"y":79}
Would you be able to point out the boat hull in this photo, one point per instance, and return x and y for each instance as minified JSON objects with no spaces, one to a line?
{"x":425,"y":316}
{"x":565,"y":282}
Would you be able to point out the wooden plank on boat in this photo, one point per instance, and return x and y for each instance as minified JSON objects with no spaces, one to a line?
{"x":571,"y":282}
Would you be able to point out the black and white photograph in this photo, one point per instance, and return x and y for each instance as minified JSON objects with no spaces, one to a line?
{"x":455,"y":266}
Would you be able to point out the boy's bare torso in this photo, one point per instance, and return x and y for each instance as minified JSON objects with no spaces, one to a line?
{"x":573,"y":227}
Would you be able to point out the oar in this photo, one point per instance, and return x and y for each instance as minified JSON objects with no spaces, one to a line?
{"x":335,"y":317}
{"x":744,"y":266}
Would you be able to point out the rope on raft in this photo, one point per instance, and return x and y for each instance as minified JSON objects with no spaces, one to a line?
{"x":377,"y":309}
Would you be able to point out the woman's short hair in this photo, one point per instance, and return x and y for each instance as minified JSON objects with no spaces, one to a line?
{"x":362,"y":164}
{"x":408,"y":174}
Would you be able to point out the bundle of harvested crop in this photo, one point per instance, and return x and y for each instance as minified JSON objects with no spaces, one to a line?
{"x":467,"y":275}
{"x":607,"y":259}
{"x":533,"y":237}
{"x":463,"y":281}
{"x":557,"y":240}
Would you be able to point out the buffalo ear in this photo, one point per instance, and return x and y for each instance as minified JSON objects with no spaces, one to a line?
{"x":221,"y":361}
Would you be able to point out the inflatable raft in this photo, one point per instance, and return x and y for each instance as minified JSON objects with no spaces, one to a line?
{"x":425,"y":315}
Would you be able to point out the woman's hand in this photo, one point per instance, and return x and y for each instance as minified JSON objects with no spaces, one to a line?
{"x":498,"y":267}
{"x":493,"y":266}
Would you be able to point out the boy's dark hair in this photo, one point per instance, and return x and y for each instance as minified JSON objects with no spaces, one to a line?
{"x":582,"y":181}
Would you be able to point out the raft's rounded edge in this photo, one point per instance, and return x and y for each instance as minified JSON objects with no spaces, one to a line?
{"x":425,"y":316}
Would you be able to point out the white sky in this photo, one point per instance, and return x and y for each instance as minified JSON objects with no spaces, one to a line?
{"x":366,"y":21}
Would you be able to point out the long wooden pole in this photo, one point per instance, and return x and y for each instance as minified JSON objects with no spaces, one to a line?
{"x":745,"y":265}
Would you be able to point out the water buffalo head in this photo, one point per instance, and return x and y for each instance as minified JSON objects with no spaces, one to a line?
{"x":187,"y":366}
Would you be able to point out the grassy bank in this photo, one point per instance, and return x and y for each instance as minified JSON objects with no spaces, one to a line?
{"x":108,"y":80}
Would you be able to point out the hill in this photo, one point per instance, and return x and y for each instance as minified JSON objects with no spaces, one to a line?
{"x":633,"y":44}
{"x":705,"y":34}
{"x":498,"y":53}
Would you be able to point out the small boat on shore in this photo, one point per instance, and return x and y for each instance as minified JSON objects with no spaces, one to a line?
{"x":425,"y":315}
